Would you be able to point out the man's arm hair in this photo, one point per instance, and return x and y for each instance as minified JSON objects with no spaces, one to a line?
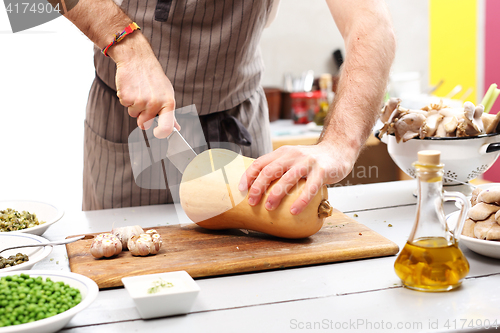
{"x":370,"y":48}
{"x":100,"y":20}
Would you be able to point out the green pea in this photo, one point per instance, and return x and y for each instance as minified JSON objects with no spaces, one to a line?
{"x":24,"y":299}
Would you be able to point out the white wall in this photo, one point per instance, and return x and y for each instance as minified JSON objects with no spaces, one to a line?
{"x":45,"y":75}
{"x":304,"y":36}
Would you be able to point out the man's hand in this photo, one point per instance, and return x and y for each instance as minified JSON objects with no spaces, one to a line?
{"x":142,"y":86}
{"x":320,"y":164}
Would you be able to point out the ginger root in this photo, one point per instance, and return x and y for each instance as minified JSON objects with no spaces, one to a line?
{"x":482,"y":211}
{"x":490,"y":195}
{"x":484,"y":217}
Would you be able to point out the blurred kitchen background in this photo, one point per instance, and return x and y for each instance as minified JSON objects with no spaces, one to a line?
{"x":445,"y":47}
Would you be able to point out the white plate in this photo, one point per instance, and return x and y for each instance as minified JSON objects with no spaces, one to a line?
{"x":87,"y":287}
{"x":35,"y":254}
{"x":487,"y":185}
{"x":486,"y":248}
{"x":43,"y":211}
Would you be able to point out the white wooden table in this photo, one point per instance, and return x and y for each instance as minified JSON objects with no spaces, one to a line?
{"x":359,"y":296}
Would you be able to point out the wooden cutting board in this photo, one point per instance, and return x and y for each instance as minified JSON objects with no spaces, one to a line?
{"x":203,"y":252}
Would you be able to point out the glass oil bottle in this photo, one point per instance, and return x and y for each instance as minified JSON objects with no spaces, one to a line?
{"x":431,"y":259}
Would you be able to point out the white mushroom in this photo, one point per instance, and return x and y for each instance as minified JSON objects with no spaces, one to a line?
{"x":450,"y":112}
{"x":400,"y":112}
{"x":389,"y":124}
{"x":430,"y":124}
{"x":491,"y":122}
{"x":450,"y":125}
{"x":473,"y":118}
{"x":478,"y":117}
{"x":389,"y":108}
{"x":436,"y":120}
{"x":447,"y":127}
{"x":408,"y":126}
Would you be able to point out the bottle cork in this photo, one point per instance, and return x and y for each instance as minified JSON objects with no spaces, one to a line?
{"x":431,"y":157}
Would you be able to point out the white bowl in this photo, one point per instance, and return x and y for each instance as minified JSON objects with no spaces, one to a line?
{"x":88,"y":290}
{"x":171,"y":301}
{"x":463,"y":158}
{"x":35,"y":254}
{"x":486,"y":248}
{"x":43,"y":211}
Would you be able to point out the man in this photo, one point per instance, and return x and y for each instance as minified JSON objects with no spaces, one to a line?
{"x":207,"y":52}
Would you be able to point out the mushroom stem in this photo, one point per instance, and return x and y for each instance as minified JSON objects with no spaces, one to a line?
{"x":324,"y":209}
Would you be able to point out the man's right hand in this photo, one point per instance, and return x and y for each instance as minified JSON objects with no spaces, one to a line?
{"x":142,"y":85}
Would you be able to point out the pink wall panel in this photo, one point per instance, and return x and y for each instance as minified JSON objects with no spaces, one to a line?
{"x":492,"y":48}
{"x":492,"y":66}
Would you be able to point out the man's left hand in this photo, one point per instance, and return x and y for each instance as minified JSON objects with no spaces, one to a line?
{"x":320,"y":164}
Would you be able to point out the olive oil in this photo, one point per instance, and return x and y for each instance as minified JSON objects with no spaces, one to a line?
{"x":431,"y":264}
{"x":431,"y":259}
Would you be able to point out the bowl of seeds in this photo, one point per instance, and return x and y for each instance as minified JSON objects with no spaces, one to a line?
{"x":23,"y":258}
{"x":23,"y":216}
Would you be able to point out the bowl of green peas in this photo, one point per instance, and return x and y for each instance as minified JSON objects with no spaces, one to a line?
{"x":38,"y":301}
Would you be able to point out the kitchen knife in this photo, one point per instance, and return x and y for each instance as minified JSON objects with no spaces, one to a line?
{"x":179,"y":152}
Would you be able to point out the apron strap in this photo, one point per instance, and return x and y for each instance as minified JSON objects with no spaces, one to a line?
{"x":162,"y":9}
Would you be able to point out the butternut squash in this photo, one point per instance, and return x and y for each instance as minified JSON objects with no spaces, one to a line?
{"x":210,"y":197}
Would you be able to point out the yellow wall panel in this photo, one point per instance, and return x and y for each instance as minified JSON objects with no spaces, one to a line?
{"x":453,"y":44}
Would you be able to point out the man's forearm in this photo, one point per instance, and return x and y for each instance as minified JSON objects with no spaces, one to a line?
{"x":100,"y":20}
{"x":370,"y":47}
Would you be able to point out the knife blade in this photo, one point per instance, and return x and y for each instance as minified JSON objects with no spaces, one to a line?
{"x":179,"y":152}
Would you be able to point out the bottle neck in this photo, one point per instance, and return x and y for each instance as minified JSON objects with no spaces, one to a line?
{"x":430,"y":219}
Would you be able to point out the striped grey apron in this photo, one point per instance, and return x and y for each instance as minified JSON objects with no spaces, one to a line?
{"x":209,"y":50}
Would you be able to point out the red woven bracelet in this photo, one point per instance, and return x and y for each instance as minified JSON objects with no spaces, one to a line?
{"x":118,"y":37}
